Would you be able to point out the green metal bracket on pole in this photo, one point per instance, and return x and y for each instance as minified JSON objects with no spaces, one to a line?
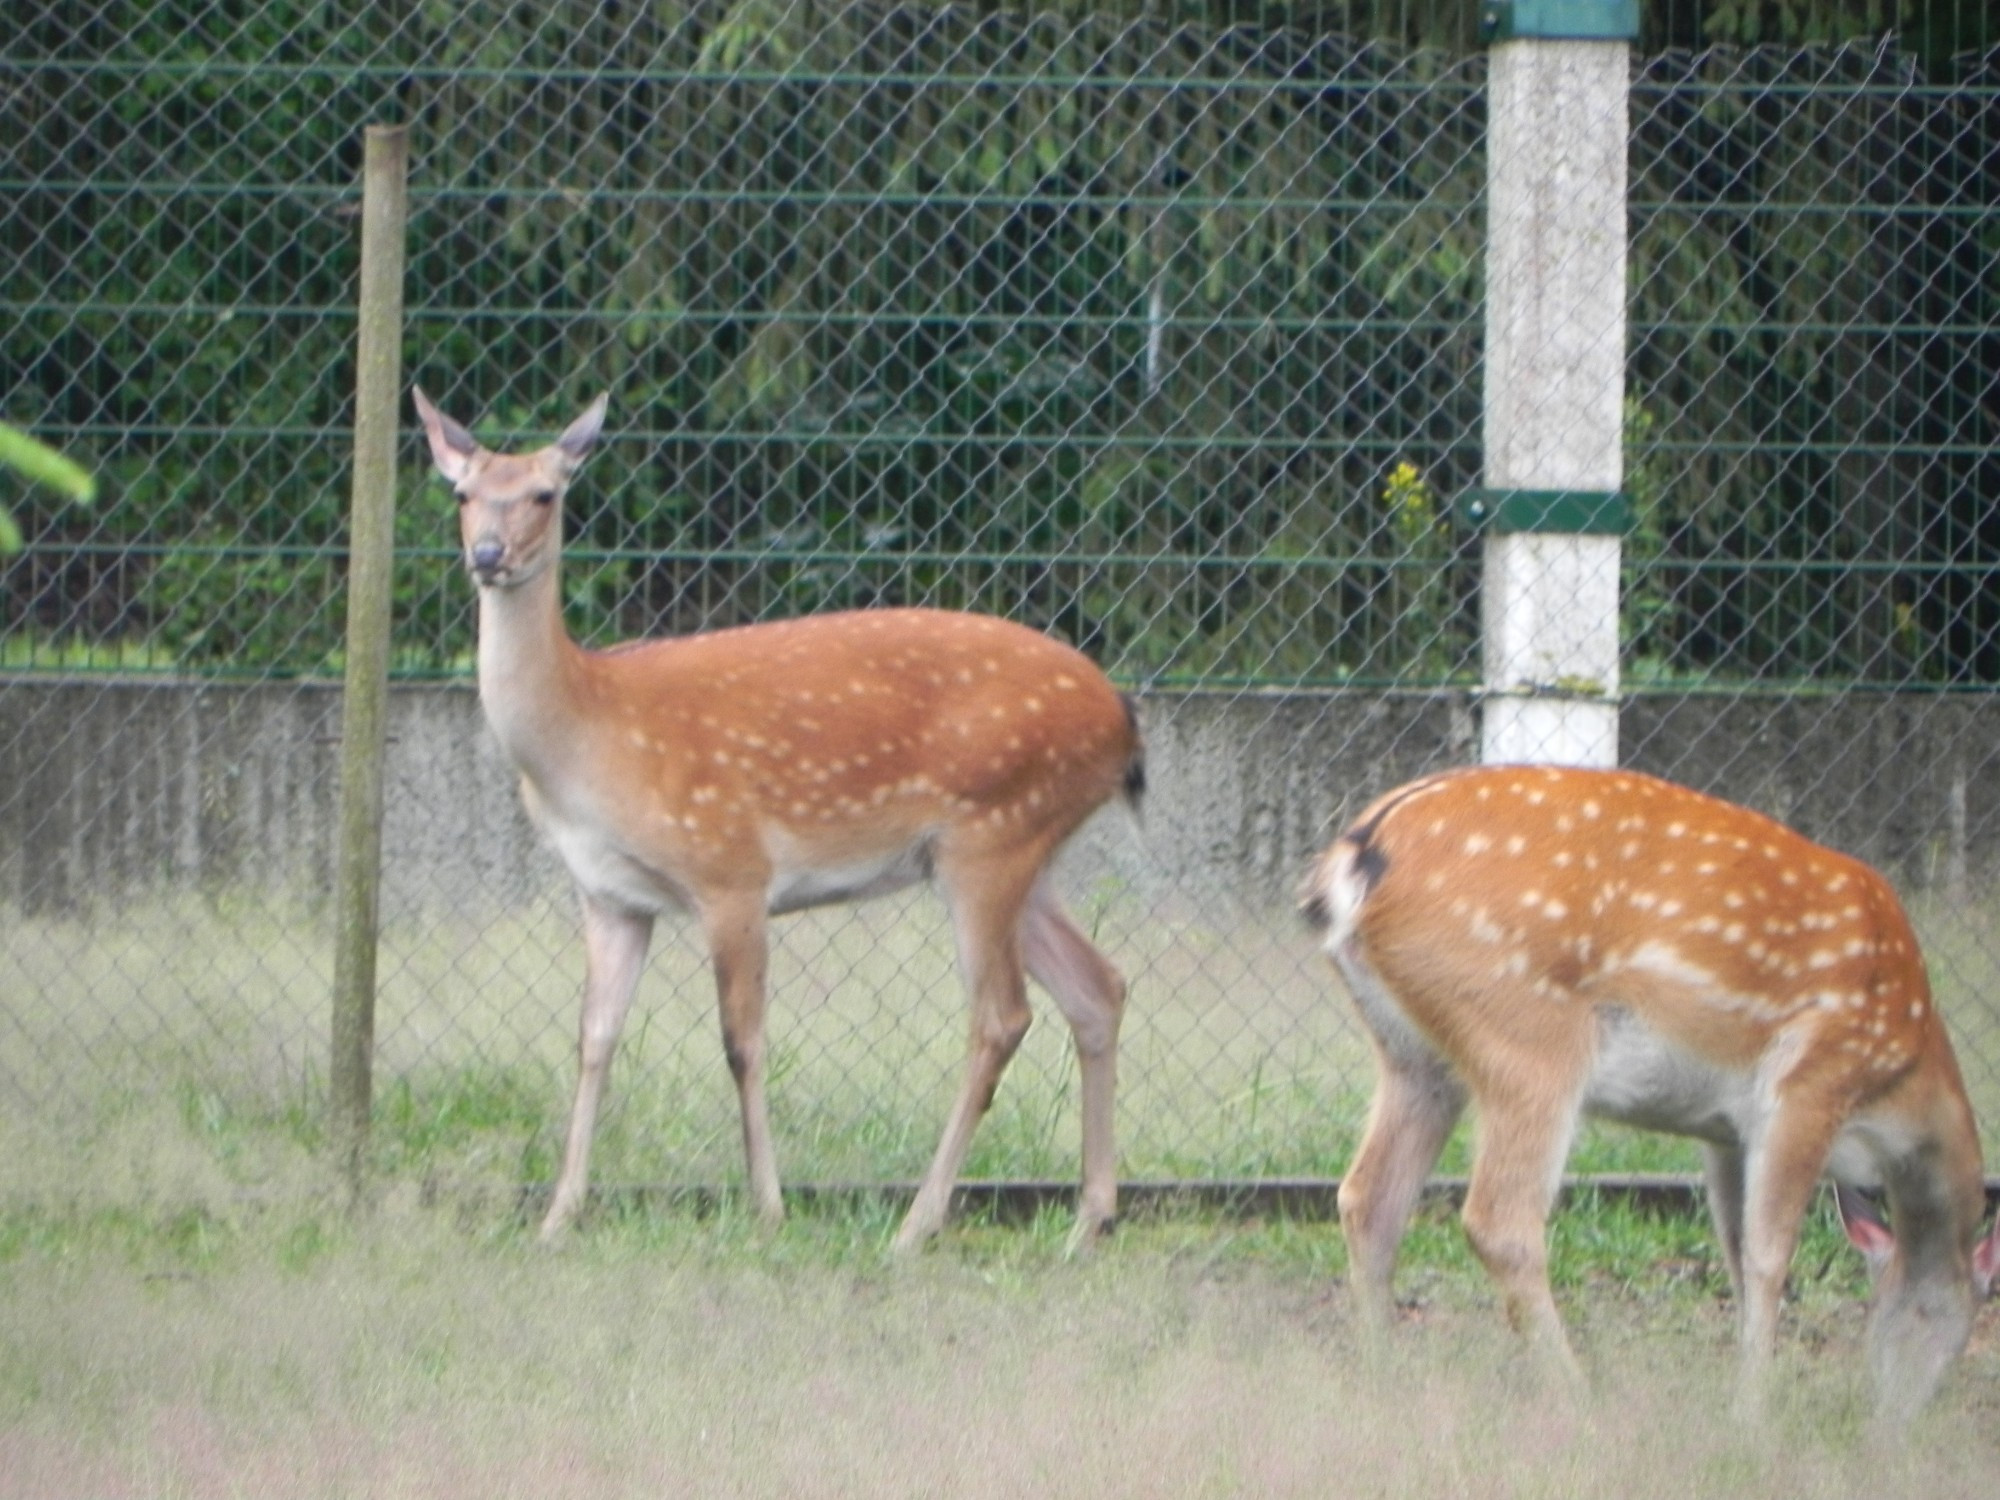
{"x":1577,"y":512}
{"x":1559,"y":20}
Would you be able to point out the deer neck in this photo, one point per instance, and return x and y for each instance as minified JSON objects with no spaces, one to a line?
{"x":529,"y":672}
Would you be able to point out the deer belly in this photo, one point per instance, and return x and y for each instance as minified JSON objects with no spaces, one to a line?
{"x":796,"y":886}
{"x":1643,"y":1078}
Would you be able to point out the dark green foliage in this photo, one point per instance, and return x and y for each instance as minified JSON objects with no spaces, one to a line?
{"x":1117,"y":324}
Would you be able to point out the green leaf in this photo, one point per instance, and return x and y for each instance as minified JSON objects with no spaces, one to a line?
{"x":42,"y":464}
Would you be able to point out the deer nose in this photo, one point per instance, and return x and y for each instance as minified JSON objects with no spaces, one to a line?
{"x":486,"y":556}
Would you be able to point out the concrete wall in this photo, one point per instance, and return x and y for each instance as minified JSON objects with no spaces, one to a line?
{"x":111,"y":787}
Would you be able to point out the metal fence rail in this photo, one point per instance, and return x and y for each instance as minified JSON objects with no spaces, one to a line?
{"x":1160,"y":336}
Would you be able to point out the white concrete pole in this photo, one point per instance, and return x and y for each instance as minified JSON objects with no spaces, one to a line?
{"x":1555,"y":384}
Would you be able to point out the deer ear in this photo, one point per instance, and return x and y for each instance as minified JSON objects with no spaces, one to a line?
{"x":582,"y":434}
{"x":1867,"y":1230}
{"x":452,"y":447}
{"x":1986,"y":1260}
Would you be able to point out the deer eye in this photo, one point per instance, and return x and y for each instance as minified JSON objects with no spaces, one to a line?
{"x":544,"y":497}
{"x":461,"y":497}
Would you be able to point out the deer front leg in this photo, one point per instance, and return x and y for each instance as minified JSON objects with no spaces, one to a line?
{"x":1722,"y":1168}
{"x":740,"y":951}
{"x":614,"y":953}
{"x":1782,"y":1173}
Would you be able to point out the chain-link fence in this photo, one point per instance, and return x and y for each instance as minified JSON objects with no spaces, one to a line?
{"x":1163,"y":337}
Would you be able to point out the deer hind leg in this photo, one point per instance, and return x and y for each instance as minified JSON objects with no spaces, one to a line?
{"x":1529,"y":1096}
{"x":986,"y":897}
{"x":735,"y":926}
{"x":1091,"y":995}
{"x":1417,"y":1102}
{"x":614,"y":953}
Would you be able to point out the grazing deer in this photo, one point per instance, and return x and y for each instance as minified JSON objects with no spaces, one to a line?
{"x":1554,"y":943}
{"x":774,"y":767}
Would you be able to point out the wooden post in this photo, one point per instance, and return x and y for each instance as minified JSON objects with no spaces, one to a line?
{"x":371,"y":546}
{"x":1555,"y":377}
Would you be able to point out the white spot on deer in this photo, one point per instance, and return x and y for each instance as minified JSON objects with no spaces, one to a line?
{"x":1554,"y":910}
{"x":1516,"y":844}
{"x":1478,"y":843}
{"x":1916,"y":1010}
{"x":1670,"y":908}
{"x":1666,"y":961}
{"x":1590,"y":808}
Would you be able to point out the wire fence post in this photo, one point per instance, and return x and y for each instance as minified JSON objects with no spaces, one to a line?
{"x":378,"y":379}
{"x":1557,"y":135}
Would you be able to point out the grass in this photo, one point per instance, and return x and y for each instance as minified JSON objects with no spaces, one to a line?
{"x":184,"y":1312}
{"x":237,"y":1346}
{"x":1240,"y":1057}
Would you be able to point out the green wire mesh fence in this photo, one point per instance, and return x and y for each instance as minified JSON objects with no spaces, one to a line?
{"x":1162,"y":335}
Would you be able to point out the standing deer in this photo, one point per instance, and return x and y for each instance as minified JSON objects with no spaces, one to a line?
{"x":1558,"y":943}
{"x":775,"y":767}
